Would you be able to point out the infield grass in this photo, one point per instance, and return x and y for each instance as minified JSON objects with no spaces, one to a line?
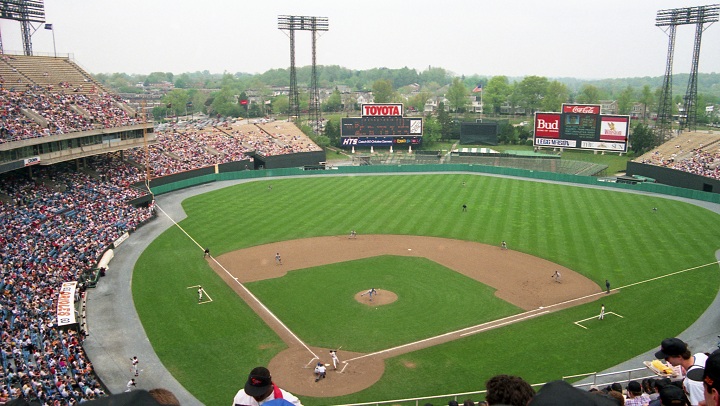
{"x":601,"y":234}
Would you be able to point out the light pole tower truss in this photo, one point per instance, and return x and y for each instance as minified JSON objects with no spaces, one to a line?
{"x":26,"y":12}
{"x":671,"y":19}
{"x":312,"y":24}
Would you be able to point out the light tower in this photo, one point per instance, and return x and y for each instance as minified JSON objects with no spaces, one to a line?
{"x":304,"y":23}
{"x":26,"y":12}
{"x":671,"y":19}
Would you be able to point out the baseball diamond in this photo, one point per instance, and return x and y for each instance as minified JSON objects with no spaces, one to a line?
{"x":246,"y":227}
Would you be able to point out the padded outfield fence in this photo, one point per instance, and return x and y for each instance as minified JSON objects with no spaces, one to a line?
{"x":447,"y":168}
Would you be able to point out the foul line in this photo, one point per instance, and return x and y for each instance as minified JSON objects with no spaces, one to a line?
{"x":481,"y":327}
{"x":242,"y":286}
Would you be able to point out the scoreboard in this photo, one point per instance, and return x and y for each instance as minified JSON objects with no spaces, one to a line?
{"x":581,"y":126}
{"x":381,"y":125}
{"x":364,"y":126}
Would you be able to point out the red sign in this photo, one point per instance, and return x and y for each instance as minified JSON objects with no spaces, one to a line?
{"x":547,"y":125}
{"x":382,"y":110}
{"x":581,"y":109}
{"x":243,"y":102}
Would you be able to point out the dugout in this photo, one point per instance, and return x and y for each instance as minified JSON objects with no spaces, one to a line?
{"x":479,"y":133}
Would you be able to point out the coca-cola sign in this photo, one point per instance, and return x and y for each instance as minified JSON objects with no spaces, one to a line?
{"x":581,"y":109}
{"x":547,"y":125}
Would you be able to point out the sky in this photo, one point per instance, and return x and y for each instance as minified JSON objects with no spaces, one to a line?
{"x":515,"y":38}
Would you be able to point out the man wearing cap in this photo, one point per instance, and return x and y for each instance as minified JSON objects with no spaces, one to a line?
{"x":636,"y":397}
{"x":260,"y":388}
{"x":711,"y":380}
{"x":676,"y":352}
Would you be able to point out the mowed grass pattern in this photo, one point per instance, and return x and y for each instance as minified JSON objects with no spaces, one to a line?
{"x":602,"y":234}
{"x":428,"y":293}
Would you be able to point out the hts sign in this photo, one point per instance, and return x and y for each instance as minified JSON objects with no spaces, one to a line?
{"x":382,"y":110}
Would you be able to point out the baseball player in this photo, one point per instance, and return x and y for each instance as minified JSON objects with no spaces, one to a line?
{"x":319,"y":371}
{"x":278,"y":261}
{"x":335,"y":360}
{"x":370,"y":293}
{"x":200,"y":294}
{"x":130,"y":385}
{"x":556,"y":276}
{"x":503,"y":245}
{"x":135,"y":362}
{"x":602,"y":313}
{"x":207,"y":252}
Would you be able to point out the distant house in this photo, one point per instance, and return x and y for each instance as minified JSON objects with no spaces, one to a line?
{"x":608,"y":107}
{"x":365,"y":98}
{"x":432,"y":104}
{"x":506,"y":108}
{"x":475,"y":104}
{"x":637,"y":111}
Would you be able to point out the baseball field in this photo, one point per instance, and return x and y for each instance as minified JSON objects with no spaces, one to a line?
{"x":442,"y":268}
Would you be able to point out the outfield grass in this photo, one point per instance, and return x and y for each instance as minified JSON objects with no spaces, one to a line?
{"x":602,"y":234}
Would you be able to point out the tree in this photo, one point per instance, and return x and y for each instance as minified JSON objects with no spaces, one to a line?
{"x":432,"y":130}
{"x":507,"y":134}
{"x":445,"y":121}
{"x":382,"y":91}
{"x":589,"y":94}
{"x":281,"y":105}
{"x":334,"y":102}
{"x":457,"y":96}
{"x":647,"y":99}
{"x":557,"y":94}
{"x":418,"y":100}
{"x":332,"y":131}
{"x":625,"y":100}
{"x":496,"y":92}
{"x":643,"y":139}
{"x":532,"y":90}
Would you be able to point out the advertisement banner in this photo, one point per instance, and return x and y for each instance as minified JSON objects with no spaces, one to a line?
{"x":346,"y":142}
{"x":614,"y":128}
{"x":551,"y":142}
{"x":547,"y":125}
{"x":66,"y":304}
{"x":382,"y":110}
{"x":581,"y":109}
{"x":608,"y":146}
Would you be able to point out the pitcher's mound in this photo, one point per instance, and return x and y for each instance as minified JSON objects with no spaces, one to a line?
{"x":381,"y":297}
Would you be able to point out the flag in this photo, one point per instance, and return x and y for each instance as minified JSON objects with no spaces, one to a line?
{"x":478,"y":88}
{"x":48,"y":26}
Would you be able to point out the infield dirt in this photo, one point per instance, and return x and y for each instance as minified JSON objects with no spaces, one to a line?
{"x":523,"y":280}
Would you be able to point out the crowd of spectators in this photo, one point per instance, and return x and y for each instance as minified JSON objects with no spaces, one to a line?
{"x":54,"y":227}
{"x":700,"y":162}
{"x":197,"y":144}
{"x":62,"y":112}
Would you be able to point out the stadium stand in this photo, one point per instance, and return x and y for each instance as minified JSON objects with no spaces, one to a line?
{"x":693,"y":152}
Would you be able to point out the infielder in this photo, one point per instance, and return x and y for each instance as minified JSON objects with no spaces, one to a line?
{"x":503,"y":245}
{"x":200,"y":294}
{"x":278,"y":261}
{"x":602,"y":312}
{"x":556,"y":276}
{"x":335,"y":360}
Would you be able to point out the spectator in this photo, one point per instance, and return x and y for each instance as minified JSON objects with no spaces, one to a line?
{"x":711,"y":380}
{"x":671,"y":395}
{"x":635,"y":395}
{"x":676,"y":352}
{"x":508,"y":390}
{"x":560,"y":393}
{"x":260,"y":388}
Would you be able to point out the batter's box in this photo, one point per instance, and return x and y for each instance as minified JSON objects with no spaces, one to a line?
{"x":579,"y":322}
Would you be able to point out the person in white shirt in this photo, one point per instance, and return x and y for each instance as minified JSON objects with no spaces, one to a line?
{"x":260,"y":388}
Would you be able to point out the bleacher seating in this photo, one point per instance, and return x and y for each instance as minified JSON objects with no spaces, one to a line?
{"x":693,"y":152}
